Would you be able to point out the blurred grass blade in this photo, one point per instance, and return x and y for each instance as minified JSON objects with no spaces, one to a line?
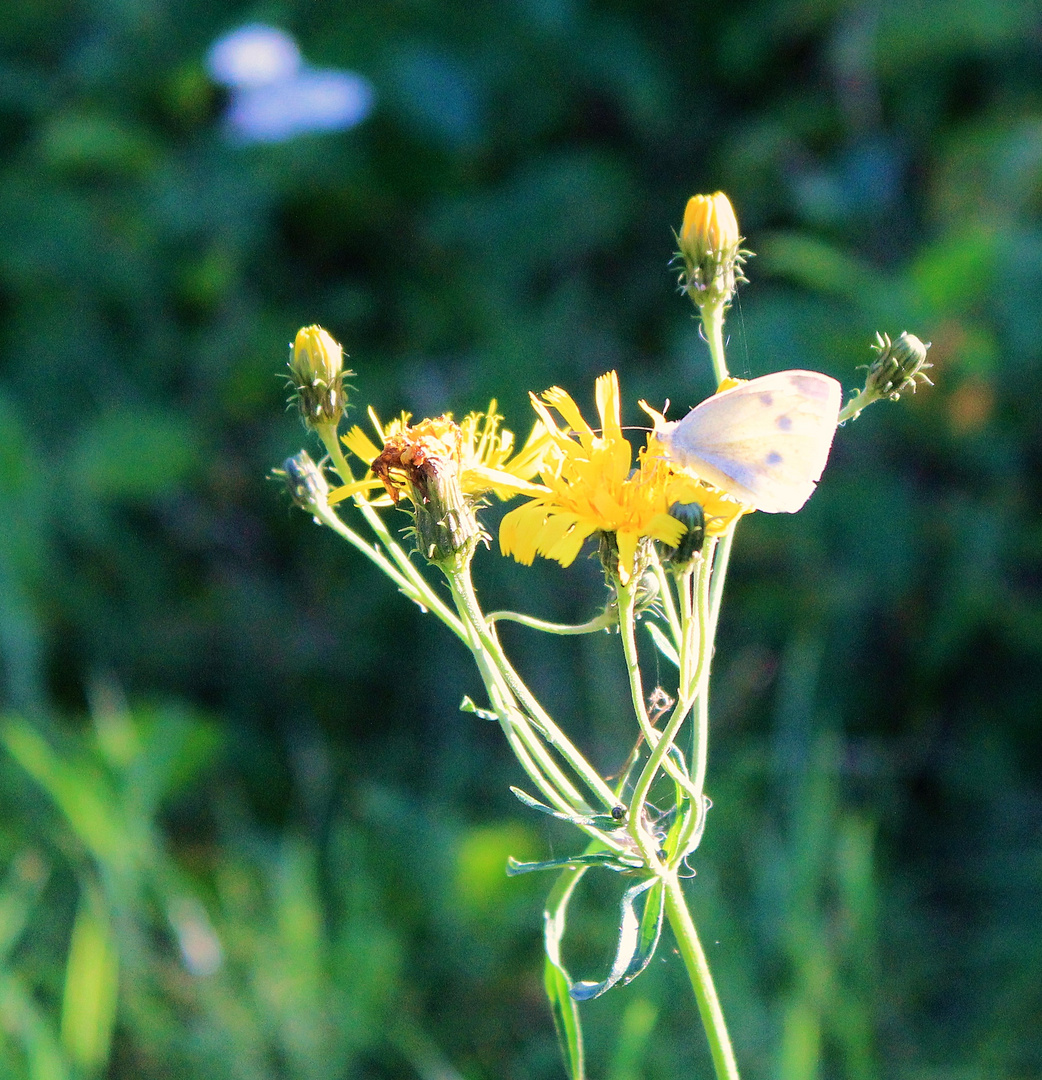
{"x":22,"y":1020}
{"x":638,"y":1022}
{"x":91,"y":984}
{"x":558,"y":984}
{"x":820,"y":266}
{"x":25,"y":879}
{"x":638,"y":939}
{"x":800,"y":1051}
{"x":78,"y":790}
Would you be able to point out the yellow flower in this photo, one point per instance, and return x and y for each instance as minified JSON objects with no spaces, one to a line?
{"x":486,"y":457}
{"x":590,"y":487}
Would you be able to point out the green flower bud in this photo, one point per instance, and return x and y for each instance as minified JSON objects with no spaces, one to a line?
{"x":305,"y":481}
{"x":424,"y":463}
{"x":899,"y":366}
{"x":689,"y":547}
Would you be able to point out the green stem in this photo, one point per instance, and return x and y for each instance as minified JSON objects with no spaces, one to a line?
{"x":720,"y":564}
{"x":693,"y":662}
{"x":668,"y":606}
{"x":463,"y":591}
{"x":406,"y":585}
{"x":328,"y":434}
{"x":656,"y":741}
{"x":657,"y":757}
{"x":530,"y":753}
{"x":713,"y":325}
{"x":853,"y":408}
{"x":701,"y":980}
{"x":698,"y":687}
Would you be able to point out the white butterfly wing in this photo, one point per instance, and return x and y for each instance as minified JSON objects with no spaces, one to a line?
{"x":765,"y":442}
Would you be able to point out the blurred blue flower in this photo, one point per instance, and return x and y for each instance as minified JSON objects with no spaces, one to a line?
{"x":253,"y":55}
{"x":274,"y":96}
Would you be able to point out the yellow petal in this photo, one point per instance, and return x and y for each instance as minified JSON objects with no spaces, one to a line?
{"x":565,"y":549}
{"x":666,"y":528}
{"x":518,"y":532}
{"x":627,"y":542}
{"x":346,"y":491}
{"x":553,"y":529}
{"x":360,"y":445}
{"x":481,"y":478}
{"x":564,"y":404}
{"x":606,"y":394}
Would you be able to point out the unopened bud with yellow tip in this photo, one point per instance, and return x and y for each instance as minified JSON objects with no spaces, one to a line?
{"x":710,"y":245}
{"x":316,"y":365}
{"x":897,"y":368}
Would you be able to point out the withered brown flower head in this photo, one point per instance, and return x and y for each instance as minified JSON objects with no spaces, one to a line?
{"x":411,"y":459}
{"x":425,"y":463}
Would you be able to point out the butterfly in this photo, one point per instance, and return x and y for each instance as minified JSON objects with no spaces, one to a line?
{"x":765,"y":441}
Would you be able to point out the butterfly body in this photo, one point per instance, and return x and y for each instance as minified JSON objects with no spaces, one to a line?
{"x":765,"y":441}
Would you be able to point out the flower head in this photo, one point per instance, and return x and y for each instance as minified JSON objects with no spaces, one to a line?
{"x":709,"y":244}
{"x":424,"y":463}
{"x":443,"y":469}
{"x":590,"y":487}
{"x":488,"y":461}
{"x":316,"y":365}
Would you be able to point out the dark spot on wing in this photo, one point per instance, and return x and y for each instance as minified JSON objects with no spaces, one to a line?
{"x":773,"y":458}
{"x":767,"y":399}
{"x":783,"y":423}
{"x":812,"y":388}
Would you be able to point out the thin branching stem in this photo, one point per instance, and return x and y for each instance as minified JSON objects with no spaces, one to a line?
{"x":406,"y":585}
{"x":692,"y":662}
{"x":328,"y":434}
{"x":463,"y":590}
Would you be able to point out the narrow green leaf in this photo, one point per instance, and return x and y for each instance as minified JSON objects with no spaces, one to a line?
{"x":78,"y":789}
{"x":820,"y":266}
{"x":663,"y":644}
{"x":564,"y":1007}
{"x":25,"y":879}
{"x":638,"y":938}
{"x":608,"y":859}
{"x":599,"y":821}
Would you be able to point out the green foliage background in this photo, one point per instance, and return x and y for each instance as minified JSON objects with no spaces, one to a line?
{"x":245,"y":832}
